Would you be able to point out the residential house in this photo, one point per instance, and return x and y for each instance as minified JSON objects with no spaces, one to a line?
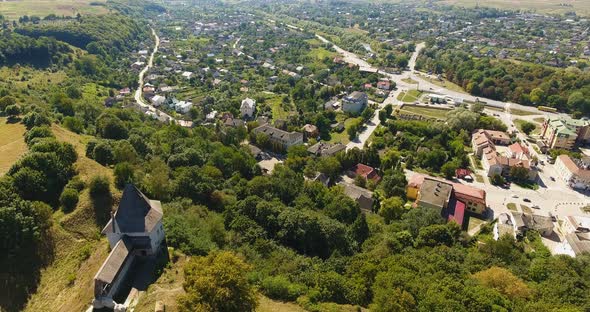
{"x":183,"y":107}
{"x":332,"y":105}
{"x":565,"y":132}
{"x":504,"y":226}
{"x":362,"y":196}
{"x":322,"y":149}
{"x":524,"y":222}
{"x":439,"y":195}
{"x":574,"y":172}
{"x":134,"y":231}
{"x":248,"y":108}
{"x":496,"y":164}
{"x":473,"y":198}
{"x":482,"y":138}
{"x":280,"y":137}
{"x":384,"y":85}
{"x":518,"y":151}
{"x":366,"y":172}
{"x":157,"y":100}
{"x":310,"y":131}
{"x":355,"y":103}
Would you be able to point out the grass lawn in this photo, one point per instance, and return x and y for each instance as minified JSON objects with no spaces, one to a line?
{"x":410,"y":81}
{"x":425,"y":111}
{"x":511,"y":206}
{"x":474,"y":222}
{"x":410,"y":96}
{"x":479,"y":178}
{"x":342,"y":137}
{"x":539,"y":119}
{"x":520,"y":122}
{"x":520,"y":112}
{"x":477,"y":162}
{"x":15,"y":9}
{"x":12,"y":144}
{"x":321,"y":54}
{"x":80,"y":249}
{"x":494,"y":108}
{"x":444,"y":83}
{"x":275,"y":101}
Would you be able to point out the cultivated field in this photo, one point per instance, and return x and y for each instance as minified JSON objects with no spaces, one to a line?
{"x":13,"y":9}
{"x":12,"y":144}
{"x":581,"y":7}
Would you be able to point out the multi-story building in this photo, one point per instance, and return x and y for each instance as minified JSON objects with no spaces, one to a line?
{"x":574,"y":172}
{"x":355,"y":102}
{"x":565,"y":132}
{"x":280,"y":137}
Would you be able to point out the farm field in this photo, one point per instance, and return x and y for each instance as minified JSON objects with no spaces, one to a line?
{"x":581,"y":7}
{"x":12,"y":144}
{"x":13,"y":9}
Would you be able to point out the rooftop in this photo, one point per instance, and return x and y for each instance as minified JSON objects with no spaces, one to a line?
{"x":115,"y":261}
{"x":435,"y":192}
{"x":136,"y":213}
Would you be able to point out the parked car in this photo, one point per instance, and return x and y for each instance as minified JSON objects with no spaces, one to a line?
{"x":514,"y":196}
{"x":526,"y":200}
{"x":536,"y":207}
{"x":552,"y":179}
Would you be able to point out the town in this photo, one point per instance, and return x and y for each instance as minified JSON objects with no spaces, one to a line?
{"x":283,"y":155}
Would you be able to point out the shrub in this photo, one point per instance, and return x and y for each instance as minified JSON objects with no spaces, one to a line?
{"x":76,"y":183}
{"x":69,"y":199}
{"x":280,"y":288}
{"x":99,"y":186}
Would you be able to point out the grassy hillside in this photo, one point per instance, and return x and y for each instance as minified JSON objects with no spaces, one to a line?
{"x":66,"y":284}
{"x":13,"y":9}
{"x":169,"y":286}
{"x":12,"y":144}
{"x":581,"y":7}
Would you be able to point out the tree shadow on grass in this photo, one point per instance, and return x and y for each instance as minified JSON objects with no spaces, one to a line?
{"x":21,"y":274}
{"x":102,"y":204}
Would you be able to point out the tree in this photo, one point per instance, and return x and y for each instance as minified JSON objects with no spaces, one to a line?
{"x":69,"y":199}
{"x":477,"y":107}
{"x":448,"y":169}
{"x":103,"y":153}
{"x":391,"y":209}
{"x":6,"y":101}
{"x":124,"y":173}
{"x":359,"y":230}
{"x":394,"y":184}
{"x":497,"y":179}
{"x":504,"y":282}
{"x":329,"y":166}
{"x":527,"y":127}
{"x":519,"y":173}
{"x":217,"y":283}
{"x":99,"y":186}
{"x":12,"y":111}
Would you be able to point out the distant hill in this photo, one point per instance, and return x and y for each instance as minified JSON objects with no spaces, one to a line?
{"x":13,"y":9}
{"x":580,"y":7}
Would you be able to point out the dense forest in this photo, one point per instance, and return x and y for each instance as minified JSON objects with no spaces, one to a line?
{"x":40,"y":52}
{"x":529,"y":84}
{"x":107,"y":37}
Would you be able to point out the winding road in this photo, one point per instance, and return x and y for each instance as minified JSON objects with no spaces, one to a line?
{"x":139,"y":92}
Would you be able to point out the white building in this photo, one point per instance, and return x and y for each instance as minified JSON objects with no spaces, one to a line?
{"x":157,"y":100}
{"x":187,"y":74}
{"x":575,"y":173}
{"x":183,"y":107}
{"x":248,"y":108}
{"x":135,"y":230}
{"x":355,"y":102}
